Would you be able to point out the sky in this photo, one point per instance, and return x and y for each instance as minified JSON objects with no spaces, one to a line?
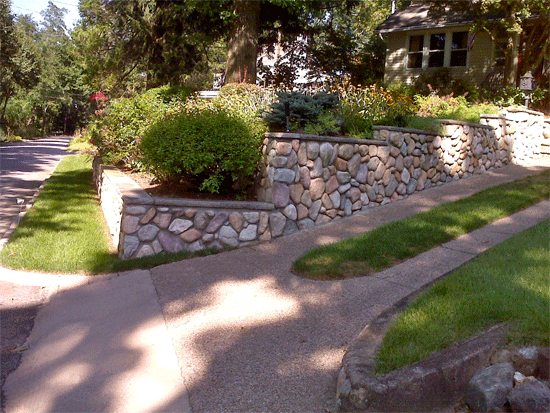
{"x":34,"y":7}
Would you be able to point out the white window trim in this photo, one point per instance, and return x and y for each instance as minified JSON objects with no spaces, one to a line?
{"x":426,"y":50}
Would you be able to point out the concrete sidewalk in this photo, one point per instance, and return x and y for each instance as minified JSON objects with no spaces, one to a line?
{"x":236,"y":331}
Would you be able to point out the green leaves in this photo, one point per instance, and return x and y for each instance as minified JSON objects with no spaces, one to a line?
{"x":211,"y":149}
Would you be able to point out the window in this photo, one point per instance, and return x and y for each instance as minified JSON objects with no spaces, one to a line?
{"x":501,"y":45}
{"x":437,"y":50}
{"x":459,"y":49}
{"x":416,"y":46}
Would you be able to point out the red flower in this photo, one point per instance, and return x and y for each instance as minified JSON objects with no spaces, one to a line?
{"x":92,"y":141}
{"x":98,"y":96}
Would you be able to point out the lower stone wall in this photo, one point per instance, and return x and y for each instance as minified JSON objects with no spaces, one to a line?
{"x":142,"y":225}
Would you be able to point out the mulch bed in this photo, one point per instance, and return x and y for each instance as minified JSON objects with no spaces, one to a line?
{"x":180,"y":189}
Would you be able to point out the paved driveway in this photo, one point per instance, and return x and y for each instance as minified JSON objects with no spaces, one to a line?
{"x":23,"y":168}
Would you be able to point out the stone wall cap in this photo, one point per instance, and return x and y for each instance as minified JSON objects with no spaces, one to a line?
{"x":137,"y":200}
{"x":213,"y":204}
{"x":525,"y":110}
{"x":492,"y":116}
{"x":405,"y":130}
{"x":335,"y":139}
{"x":463,"y":123}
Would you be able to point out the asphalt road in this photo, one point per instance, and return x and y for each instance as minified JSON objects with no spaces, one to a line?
{"x":24,"y":166}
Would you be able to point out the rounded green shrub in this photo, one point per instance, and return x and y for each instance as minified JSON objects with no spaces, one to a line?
{"x":211,"y":149}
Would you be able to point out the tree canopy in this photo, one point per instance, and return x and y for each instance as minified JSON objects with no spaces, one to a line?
{"x":18,"y":64}
{"x":524,"y":24}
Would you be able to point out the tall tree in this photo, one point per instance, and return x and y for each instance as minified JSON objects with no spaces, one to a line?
{"x":18,"y":64}
{"x":166,"y":39}
{"x":255,"y":23}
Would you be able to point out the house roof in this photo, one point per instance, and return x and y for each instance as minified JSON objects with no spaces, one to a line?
{"x":417,"y":16}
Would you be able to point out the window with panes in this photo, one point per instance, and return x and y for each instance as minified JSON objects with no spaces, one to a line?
{"x":416,"y":48}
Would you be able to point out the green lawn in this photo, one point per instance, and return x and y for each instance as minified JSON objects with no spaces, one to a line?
{"x":508,"y":283}
{"x":390,"y":244}
{"x":65,"y":231}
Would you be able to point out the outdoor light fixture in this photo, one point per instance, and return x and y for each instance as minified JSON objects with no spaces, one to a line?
{"x":527,"y":86}
{"x":287,"y":116}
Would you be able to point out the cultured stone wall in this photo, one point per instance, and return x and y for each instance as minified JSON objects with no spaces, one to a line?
{"x":143,"y":225}
{"x":525,"y":129}
{"x":307,"y":181}
{"x":317,"y":180}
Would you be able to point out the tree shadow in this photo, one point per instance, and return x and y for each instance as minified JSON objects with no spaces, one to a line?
{"x":250,"y":336}
{"x":98,"y":347}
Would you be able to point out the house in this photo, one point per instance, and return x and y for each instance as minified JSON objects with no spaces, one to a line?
{"x":418,"y":41}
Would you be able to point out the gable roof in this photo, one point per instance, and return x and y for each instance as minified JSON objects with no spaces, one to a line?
{"x":417,"y":16}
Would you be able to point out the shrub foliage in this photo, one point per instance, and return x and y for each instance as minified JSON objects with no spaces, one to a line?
{"x":211,"y":148}
{"x":310,"y":113}
{"x":123,"y":123}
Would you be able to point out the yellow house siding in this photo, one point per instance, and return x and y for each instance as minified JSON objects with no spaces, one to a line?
{"x":479,"y":60}
{"x":396,"y":56}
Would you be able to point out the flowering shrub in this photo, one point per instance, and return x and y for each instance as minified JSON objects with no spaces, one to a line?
{"x":363,"y":107}
{"x":450,"y":107}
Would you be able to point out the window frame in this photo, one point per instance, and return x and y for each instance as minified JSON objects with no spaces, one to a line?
{"x":459,"y":50}
{"x":440,"y":53}
{"x":427,"y":52}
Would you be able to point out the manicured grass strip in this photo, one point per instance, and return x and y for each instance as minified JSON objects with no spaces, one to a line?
{"x":508,"y":283}
{"x":390,"y":244}
{"x":64,"y":231}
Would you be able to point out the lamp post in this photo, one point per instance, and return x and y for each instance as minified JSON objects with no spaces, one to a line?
{"x":527,"y":86}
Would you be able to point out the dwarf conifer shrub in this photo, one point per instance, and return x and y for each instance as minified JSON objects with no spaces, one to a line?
{"x":210,"y":149}
{"x":313,"y":110}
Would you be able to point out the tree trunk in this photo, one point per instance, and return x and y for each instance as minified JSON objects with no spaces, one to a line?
{"x":3,"y":113}
{"x":512,"y":61}
{"x":242,"y":45}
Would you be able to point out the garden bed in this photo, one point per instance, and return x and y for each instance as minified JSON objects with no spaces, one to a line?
{"x":180,"y":189}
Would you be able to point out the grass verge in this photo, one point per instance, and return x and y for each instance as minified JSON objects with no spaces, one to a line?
{"x":390,"y":244}
{"x":65,"y":232}
{"x":508,"y":283}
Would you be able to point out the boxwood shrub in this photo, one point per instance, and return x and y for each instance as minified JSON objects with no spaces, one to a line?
{"x":211,"y":149}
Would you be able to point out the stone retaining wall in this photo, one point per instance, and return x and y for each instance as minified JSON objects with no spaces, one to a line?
{"x":545,"y":144}
{"x":307,"y":181}
{"x":523,"y":130}
{"x":143,"y":225}
{"x":321,"y":179}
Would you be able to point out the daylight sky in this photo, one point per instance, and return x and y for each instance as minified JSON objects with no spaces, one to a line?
{"x":34,"y":7}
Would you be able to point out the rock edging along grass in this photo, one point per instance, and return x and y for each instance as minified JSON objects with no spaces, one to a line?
{"x":307,"y":181}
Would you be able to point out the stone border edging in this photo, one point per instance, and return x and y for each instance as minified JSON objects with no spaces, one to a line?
{"x":435,"y":382}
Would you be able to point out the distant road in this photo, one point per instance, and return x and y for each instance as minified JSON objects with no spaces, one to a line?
{"x":23,"y":168}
